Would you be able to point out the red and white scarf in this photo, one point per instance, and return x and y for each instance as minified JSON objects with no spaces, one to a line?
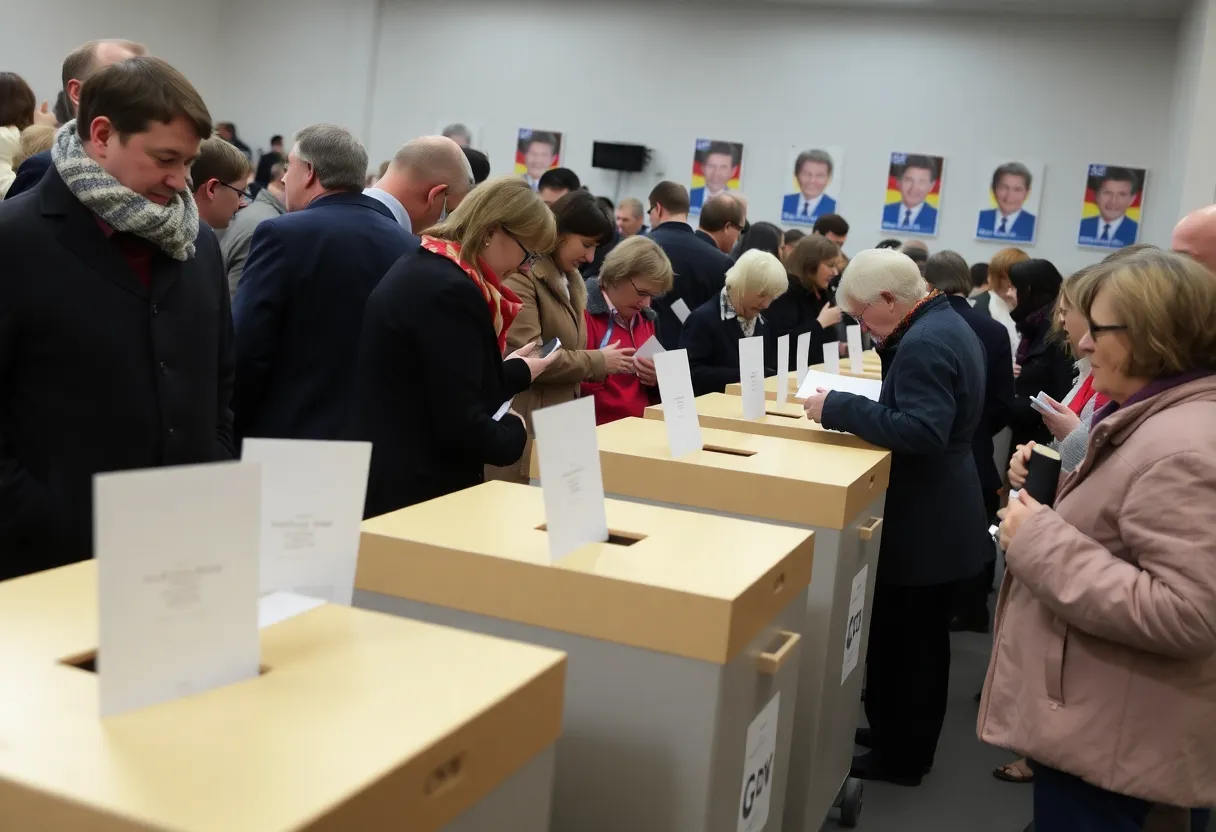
{"x":504,"y":304}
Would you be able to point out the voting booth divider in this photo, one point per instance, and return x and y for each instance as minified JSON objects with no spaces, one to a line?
{"x":683,"y":636}
{"x":835,"y":490}
{"x":349,"y":725}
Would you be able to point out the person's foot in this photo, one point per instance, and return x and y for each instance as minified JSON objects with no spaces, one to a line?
{"x":870,"y":767}
{"x":864,"y":737}
{"x":969,"y":624}
{"x":1016,"y":772}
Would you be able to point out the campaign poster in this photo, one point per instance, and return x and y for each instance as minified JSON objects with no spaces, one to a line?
{"x":914,"y":194}
{"x":1009,"y":210}
{"x":537,"y":151}
{"x":1114,"y":203}
{"x":717,"y":167}
{"x":815,"y":183}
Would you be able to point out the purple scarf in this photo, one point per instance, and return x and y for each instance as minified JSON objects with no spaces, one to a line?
{"x":1157,"y":385}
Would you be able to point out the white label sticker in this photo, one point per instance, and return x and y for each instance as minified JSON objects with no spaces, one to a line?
{"x":852,"y":631}
{"x":760,"y":756}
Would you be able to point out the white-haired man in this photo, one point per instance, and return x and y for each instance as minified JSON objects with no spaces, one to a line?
{"x":931,"y":403}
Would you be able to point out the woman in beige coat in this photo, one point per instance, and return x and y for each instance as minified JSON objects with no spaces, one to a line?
{"x":554,"y":297}
{"x":1103,"y":668}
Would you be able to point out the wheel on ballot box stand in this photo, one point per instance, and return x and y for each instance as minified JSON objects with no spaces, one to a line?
{"x":849,"y":802}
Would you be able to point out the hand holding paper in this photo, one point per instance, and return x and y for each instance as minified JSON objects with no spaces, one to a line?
{"x":816,"y":379}
{"x":814,"y":405}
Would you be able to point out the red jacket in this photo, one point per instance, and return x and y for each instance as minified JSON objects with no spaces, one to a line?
{"x":620,"y":395}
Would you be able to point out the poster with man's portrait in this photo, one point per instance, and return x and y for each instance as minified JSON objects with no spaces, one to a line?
{"x":1009,"y":210}
{"x":814,"y":185}
{"x":1114,"y":201}
{"x":717,"y":167}
{"x":461,"y":132}
{"x":914,"y":193}
{"x":536,"y":152}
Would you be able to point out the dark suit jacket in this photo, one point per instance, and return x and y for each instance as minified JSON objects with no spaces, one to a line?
{"x":925,"y":222}
{"x":299,"y":309}
{"x":932,"y":402}
{"x":704,"y":235}
{"x":713,"y":348}
{"x":998,"y":389}
{"x":700,"y":274}
{"x":1125,"y":234}
{"x":791,"y":202}
{"x":98,"y":373}
{"x":795,"y":312}
{"x":30,"y":173}
{"x":428,"y":382}
{"x":1022,"y":230}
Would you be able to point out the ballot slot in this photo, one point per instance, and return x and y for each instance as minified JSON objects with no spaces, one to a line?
{"x":615,"y":538}
{"x":87,"y":662}
{"x":785,"y":414}
{"x":722,"y":449}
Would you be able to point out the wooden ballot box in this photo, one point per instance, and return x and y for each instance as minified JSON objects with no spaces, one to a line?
{"x":870,"y":371}
{"x":787,"y":421}
{"x":359,"y":721}
{"x":681,"y":633}
{"x":837,"y":491}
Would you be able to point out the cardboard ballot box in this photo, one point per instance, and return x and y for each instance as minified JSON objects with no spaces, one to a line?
{"x":838,"y":492}
{"x":358,"y":721}
{"x":681,"y":633}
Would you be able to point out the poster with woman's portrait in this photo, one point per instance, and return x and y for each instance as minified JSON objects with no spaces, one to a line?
{"x":537,"y":151}
{"x":1114,"y":201}
{"x":717,"y":167}
{"x":914,"y":189}
{"x":1009,"y":210}
{"x":814,"y":185}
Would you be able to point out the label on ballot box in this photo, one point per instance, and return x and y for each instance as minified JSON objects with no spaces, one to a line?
{"x":758,"y":762}
{"x":751,"y":375}
{"x":857,"y":614}
{"x":570,"y":476}
{"x":803,"y":361}
{"x":679,"y":408}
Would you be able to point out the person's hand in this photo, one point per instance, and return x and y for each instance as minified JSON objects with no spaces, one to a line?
{"x":536,"y":365}
{"x":844,"y":349}
{"x":644,"y":367}
{"x":1017,"y":369}
{"x":1061,"y":421}
{"x":829,"y":315}
{"x":522,"y":352}
{"x":43,"y":115}
{"x":814,"y":405}
{"x":1019,"y":463}
{"x":1014,"y":514}
{"x":618,"y":359}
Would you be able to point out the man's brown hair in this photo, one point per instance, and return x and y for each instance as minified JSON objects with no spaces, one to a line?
{"x":82,"y":63}
{"x":672,"y":197}
{"x":217,"y":159}
{"x":17,"y":101}
{"x":720,"y":211}
{"x":136,"y":92}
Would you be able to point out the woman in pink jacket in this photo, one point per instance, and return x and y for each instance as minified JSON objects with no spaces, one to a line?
{"x":1103,"y":667}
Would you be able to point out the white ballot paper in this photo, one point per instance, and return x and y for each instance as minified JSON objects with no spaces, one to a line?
{"x":681,"y":309}
{"x":280,"y":606}
{"x":570,"y":477}
{"x":868,"y":387}
{"x":783,"y":369}
{"x":804,"y":356}
{"x":502,"y":411}
{"x":650,"y":349}
{"x":751,"y":374}
{"x":831,"y":358}
{"x":679,"y":407}
{"x":177,"y":581}
{"x":312,"y":506}
{"x":856,"y":364}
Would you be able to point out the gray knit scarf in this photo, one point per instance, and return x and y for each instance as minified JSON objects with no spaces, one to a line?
{"x":171,"y":227}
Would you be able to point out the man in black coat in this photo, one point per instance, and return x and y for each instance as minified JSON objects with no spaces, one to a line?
{"x":299,"y":306}
{"x":935,"y":533}
{"x":115,"y":332}
{"x":700,"y":269}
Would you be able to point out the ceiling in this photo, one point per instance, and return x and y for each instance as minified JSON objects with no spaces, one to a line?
{"x":1108,"y":9}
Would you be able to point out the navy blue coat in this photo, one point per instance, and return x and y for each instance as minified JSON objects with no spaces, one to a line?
{"x":299,"y":311}
{"x":700,"y":274}
{"x":932,"y":402}
{"x":713,"y":347}
{"x":998,"y":390}
{"x":30,"y":173}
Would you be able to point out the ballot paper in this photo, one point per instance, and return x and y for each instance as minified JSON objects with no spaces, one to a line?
{"x":502,"y":411}
{"x":804,"y":356}
{"x":869,"y":388}
{"x":856,"y":362}
{"x":751,"y":376}
{"x":312,"y":505}
{"x":177,"y":581}
{"x":280,"y":606}
{"x":831,"y":358}
{"x":783,"y":366}
{"x":679,"y":407}
{"x":650,"y":349}
{"x":681,"y":309}
{"x":570,"y":477}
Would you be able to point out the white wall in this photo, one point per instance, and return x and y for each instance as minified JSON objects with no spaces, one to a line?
{"x":1192,"y":179}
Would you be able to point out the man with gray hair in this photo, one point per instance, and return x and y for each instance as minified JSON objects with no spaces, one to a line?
{"x":917,"y":251}
{"x":459,"y":133}
{"x":629,"y":217}
{"x":424,"y":182}
{"x":298,"y":311}
{"x":931,"y":404}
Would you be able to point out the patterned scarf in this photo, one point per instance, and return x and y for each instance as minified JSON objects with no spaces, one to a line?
{"x":503,"y":303}
{"x":171,"y":227}
{"x":890,"y":342}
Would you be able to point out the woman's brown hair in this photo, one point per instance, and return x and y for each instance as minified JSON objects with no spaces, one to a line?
{"x":999,"y":266}
{"x":17,"y":101}
{"x":810,"y":252}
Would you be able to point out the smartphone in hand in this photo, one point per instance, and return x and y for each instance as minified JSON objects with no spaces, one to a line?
{"x":550,"y":346}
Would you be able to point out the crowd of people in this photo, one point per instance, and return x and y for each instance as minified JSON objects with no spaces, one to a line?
{"x":214,"y":298}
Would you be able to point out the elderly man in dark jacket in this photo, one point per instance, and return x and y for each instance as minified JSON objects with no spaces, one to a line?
{"x":931,"y":403}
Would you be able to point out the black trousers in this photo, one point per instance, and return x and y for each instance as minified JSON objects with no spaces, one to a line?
{"x":971,"y":600}
{"x":908,"y":673}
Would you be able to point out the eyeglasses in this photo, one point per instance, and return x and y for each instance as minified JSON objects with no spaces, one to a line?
{"x":1097,"y":329}
{"x":530,"y":257}
{"x":246,"y":197}
{"x":641,"y":294}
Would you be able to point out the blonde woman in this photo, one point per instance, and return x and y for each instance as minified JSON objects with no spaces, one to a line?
{"x":713,"y":331}
{"x":431,"y":381}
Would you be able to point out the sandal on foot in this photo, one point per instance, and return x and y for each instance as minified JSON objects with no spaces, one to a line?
{"x":1015,"y":772}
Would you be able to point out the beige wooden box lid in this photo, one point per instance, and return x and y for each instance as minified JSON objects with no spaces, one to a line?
{"x":360,"y":721}
{"x":788,"y":421}
{"x":770,"y":383}
{"x":807,"y":483}
{"x":691,"y":585}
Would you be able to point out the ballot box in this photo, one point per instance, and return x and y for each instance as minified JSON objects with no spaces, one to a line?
{"x":838,"y":492}
{"x":682,"y":635}
{"x":358,"y":721}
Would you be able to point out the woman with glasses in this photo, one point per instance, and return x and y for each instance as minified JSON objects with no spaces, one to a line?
{"x":807,"y":305}
{"x":1103,"y":670}
{"x":618,"y":317}
{"x":431,"y":387}
{"x":554,"y":298}
{"x":218,"y":178}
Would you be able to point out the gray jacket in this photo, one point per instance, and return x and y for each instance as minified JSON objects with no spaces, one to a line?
{"x":1072,"y":447}
{"x":234,"y":247}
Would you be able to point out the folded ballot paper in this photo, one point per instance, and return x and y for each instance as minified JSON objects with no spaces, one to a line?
{"x":869,"y":388}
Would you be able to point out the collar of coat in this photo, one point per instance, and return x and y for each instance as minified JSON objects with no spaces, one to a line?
{"x":597,"y":304}
{"x":545,"y":272}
